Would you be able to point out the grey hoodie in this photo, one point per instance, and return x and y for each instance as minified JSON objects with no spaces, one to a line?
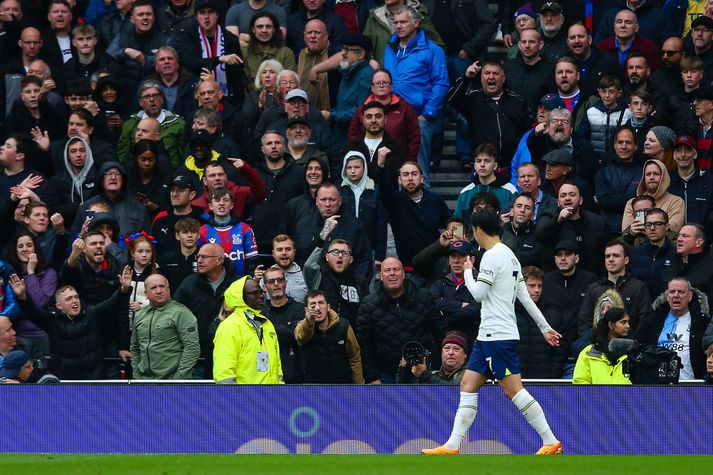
{"x":78,"y":179}
{"x":365,"y":181}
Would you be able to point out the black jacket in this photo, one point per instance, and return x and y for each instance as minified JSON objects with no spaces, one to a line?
{"x":698,"y":271}
{"x":78,"y":73}
{"x":449,"y":298}
{"x":539,"y":360}
{"x":473,"y":20}
{"x":61,"y":196}
{"x":650,"y":263}
{"x":594,"y":69}
{"x":304,"y":224}
{"x":530,"y":81}
{"x":586,"y":161}
{"x":637,"y":301}
{"x":501,"y":123}
{"x":700,"y":318}
{"x":588,"y":232}
{"x":77,"y":343}
{"x":197,"y":294}
{"x":385,"y":325}
{"x":614,"y":186}
{"x":563,"y":295}
{"x":269,"y":214}
{"x":523,"y":243}
{"x":285,"y":319}
{"x":189,"y":48}
{"x":697,"y":193}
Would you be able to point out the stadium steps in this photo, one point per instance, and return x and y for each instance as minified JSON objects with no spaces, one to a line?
{"x":449,"y":178}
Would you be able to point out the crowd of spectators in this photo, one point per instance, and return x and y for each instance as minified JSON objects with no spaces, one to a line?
{"x":240,"y":191}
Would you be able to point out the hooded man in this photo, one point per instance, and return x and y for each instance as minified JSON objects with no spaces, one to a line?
{"x":655,"y":181}
{"x":360,"y":198}
{"x":112,"y":188}
{"x":75,"y":184}
{"x":246,"y":347}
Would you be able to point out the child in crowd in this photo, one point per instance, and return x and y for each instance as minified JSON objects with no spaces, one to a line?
{"x":177,"y":265}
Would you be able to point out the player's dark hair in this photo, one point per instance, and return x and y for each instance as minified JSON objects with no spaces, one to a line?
{"x":487,"y":220}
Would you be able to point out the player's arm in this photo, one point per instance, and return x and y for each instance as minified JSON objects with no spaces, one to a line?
{"x":548,"y":332}
{"x":478,"y":286}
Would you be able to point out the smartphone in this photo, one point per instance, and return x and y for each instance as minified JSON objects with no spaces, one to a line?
{"x":90,"y":213}
{"x":639,"y":216}
{"x":109,"y":114}
{"x":457,"y":231}
{"x":141,"y":198}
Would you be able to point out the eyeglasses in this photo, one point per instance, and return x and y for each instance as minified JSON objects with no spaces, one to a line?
{"x":202,"y":257}
{"x":339,"y":253}
{"x":559,"y":121}
{"x":670,"y":52}
{"x":381,"y":83}
{"x":276,"y":280}
{"x":112,"y":174}
{"x":702,"y":29}
{"x":655,"y":224}
{"x":290,"y":82}
{"x":151,"y":97}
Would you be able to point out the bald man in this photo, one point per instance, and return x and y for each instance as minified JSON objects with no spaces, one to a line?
{"x":202,"y":293}
{"x":166,"y":330}
{"x":149,"y":129}
{"x":397,"y":312}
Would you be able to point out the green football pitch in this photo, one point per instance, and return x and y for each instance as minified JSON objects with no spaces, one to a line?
{"x":49,"y":464}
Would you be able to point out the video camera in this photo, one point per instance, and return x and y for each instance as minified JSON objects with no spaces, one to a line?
{"x":414,"y":353}
{"x":647,"y":364}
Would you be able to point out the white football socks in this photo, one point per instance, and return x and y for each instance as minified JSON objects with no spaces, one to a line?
{"x":534,"y":415}
{"x":465,"y":415}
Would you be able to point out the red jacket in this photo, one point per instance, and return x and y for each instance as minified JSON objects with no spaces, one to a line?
{"x":647,"y":47}
{"x":401,"y":125}
{"x":245,"y":196}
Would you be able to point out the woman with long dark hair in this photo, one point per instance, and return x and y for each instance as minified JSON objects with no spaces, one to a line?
{"x":596,"y":364}
{"x":25,"y":256}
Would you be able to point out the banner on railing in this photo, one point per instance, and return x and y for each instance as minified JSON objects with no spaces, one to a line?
{"x":346,"y":419}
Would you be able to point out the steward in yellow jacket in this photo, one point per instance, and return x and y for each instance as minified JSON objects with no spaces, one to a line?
{"x":246,"y":347}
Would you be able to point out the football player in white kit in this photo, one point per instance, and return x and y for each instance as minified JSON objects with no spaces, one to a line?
{"x":494,"y":354}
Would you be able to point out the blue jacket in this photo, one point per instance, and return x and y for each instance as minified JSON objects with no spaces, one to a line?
{"x":614,"y":186}
{"x":353,"y":90}
{"x":8,"y":305}
{"x":419,"y":72}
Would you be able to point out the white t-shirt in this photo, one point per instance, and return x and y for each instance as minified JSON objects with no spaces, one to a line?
{"x":372,"y":145}
{"x":498,"y":284}
{"x":676,"y":336}
{"x":65,"y":46}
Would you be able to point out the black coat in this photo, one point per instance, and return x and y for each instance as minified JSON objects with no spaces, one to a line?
{"x":700,"y":318}
{"x":539,"y":360}
{"x":650,"y":263}
{"x":523,"y":243}
{"x":197,"y":294}
{"x":77,"y":343}
{"x":385,"y":325}
{"x":589,"y":228}
{"x":698,"y":271}
{"x":501,"y":123}
{"x":530,"y":81}
{"x":634,"y":292}
{"x":269,"y":214}
{"x":449,"y":298}
{"x":285,"y":319}
{"x":189,"y":49}
{"x":61,"y":196}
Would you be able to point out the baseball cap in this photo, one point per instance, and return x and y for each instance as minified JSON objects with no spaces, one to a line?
{"x":552,"y":6}
{"x":686,"y":140}
{"x":297,"y":94}
{"x":704,"y":92}
{"x":298,"y":120}
{"x":182,"y":181}
{"x":462,"y":247}
{"x":552,"y":101}
{"x":702,"y":21}
{"x":559,"y":156}
{"x":201,"y":135}
{"x":200,"y":4}
{"x":13,"y":363}
{"x":568,"y":246}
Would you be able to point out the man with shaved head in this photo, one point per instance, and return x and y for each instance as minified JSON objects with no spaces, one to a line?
{"x":203,"y":294}
{"x":397,"y":312}
{"x":164,"y":340}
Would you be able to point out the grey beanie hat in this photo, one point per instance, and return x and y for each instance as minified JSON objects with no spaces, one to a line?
{"x":665,"y":136}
